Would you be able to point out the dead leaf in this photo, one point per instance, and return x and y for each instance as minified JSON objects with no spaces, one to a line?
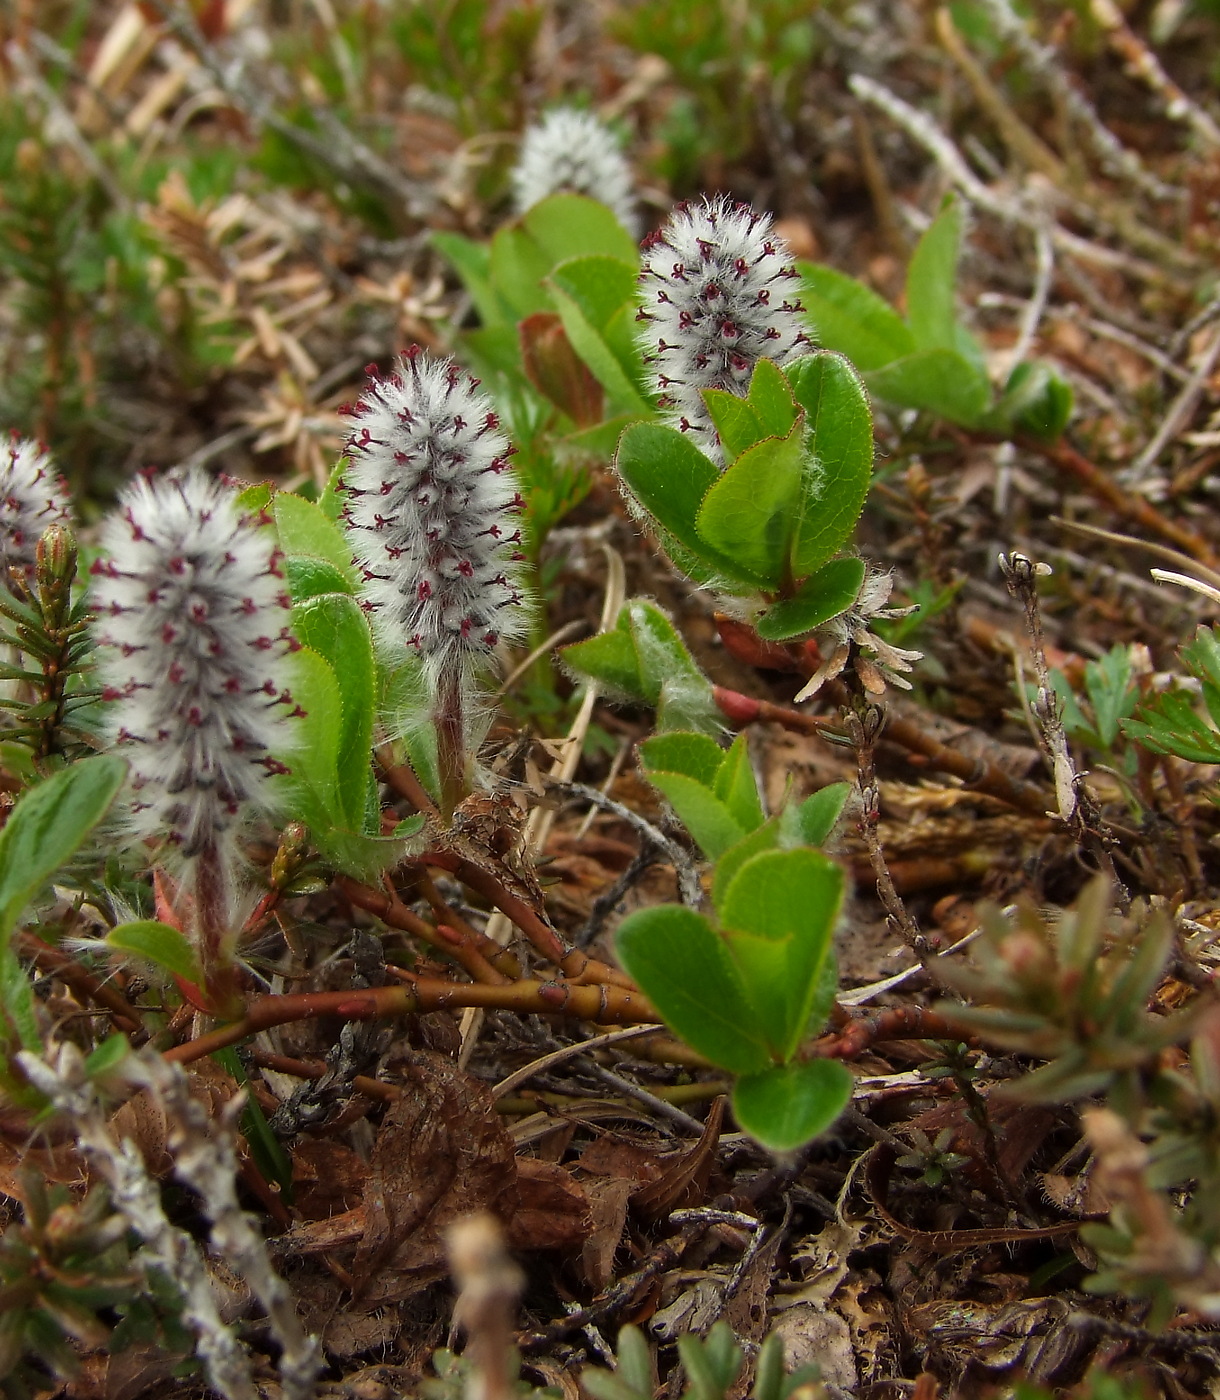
{"x":608,"y":1197}
{"x":611,"y":1156}
{"x":442,"y":1151}
{"x":684,"y":1181}
{"x":328,"y":1178}
{"x":695,"y":1309}
{"x":552,"y":1210}
{"x":822,"y":1261}
{"x":746,"y":1312}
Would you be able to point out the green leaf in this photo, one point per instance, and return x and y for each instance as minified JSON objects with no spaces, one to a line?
{"x":107,"y":1056}
{"x":405,"y":709}
{"x":737,"y":425}
{"x":696,"y":755}
{"x":334,"y":626}
{"x":330,"y":502}
{"x":770,"y":1370}
{"x":825,"y":991}
{"x":826,"y":594}
{"x":518,"y":267}
{"x":634,"y":1361}
{"x":159,"y":944}
{"x":839,"y":445}
{"x":599,"y":286}
{"x":737,"y":788}
{"x":20,"y":1016}
{"x":568,"y":226}
{"x":1036,"y":400}
{"x":48,"y":826}
{"x":472,"y":262}
{"x":932,"y":278}
{"x":937,"y":381}
{"x":788,"y":1106}
{"x":704,"y":815}
{"x":779,"y":917}
{"x":819,"y":814}
{"x":491,"y":351}
{"x":852,"y":319}
{"x":749,"y":514}
{"x":313,"y":760}
{"x":256,"y":499}
{"x":682,"y":966}
{"x":764,"y":838}
{"x":769,"y":411}
{"x":265,"y":1147}
{"x":1171,"y":724}
{"x":644,"y":659}
{"x":1111,"y":691}
{"x":610,"y":659}
{"x":597,"y":443}
{"x":669,"y":477}
{"x":303,"y":529}
{"x":771,"y":399}
{"x":307,"y":577}
{"x":583,"y":290}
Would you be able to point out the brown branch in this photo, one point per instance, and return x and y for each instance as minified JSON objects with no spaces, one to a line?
{"x":544,"y":938}
{"x":1131,"y":507}
{"x":401,"y":777}
{"x":576,"y":966}
{"x":599,"y":1003}
{"x":975,"y":773}
{"x":50,"y":960}
{"x":482,"y":959}
{"x":861,"y":1033}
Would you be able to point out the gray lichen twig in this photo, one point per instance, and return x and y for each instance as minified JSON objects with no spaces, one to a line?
{"x":1043,"y":61}
{"x":864,"y":721}
{"x":1021,"y":211}
{"x":167,"y":1249}
{"x":684,"y":866}
{"x":1178,"y":415}
{"x":338,"y":148}
{"x":1142,"y":63}
{"x":489,"y":1288}
{"x":204,"y":1158}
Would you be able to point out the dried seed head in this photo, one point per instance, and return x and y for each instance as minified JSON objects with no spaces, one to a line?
{"x":849,"y":635}
{"x":571,"y":150}
{"x":719,"y":294}
{"x":431,"y":514}
{"x":32,"y":496}
{"x":192,"y":621}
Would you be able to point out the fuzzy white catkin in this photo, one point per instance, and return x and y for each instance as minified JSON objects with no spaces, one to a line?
{"x":570,"y":150}
{"x":32,"y":497}
{"x":192,"y":630}
{"x":431,"y":514}
{"x":719,"y":292}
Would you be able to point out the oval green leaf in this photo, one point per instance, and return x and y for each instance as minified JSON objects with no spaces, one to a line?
{"x":49,"y":824}
{"x":750,"y":513}
{"x":829,"y":592}
{"x":779,"y":916}
{"x":839,"y":447}
{"x":681,"y":965}
{"x":160,"y":944}
{"x":788,"y":1106}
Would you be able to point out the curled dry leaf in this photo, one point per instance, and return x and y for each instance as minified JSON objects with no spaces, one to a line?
{"x":442,"y":1151}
